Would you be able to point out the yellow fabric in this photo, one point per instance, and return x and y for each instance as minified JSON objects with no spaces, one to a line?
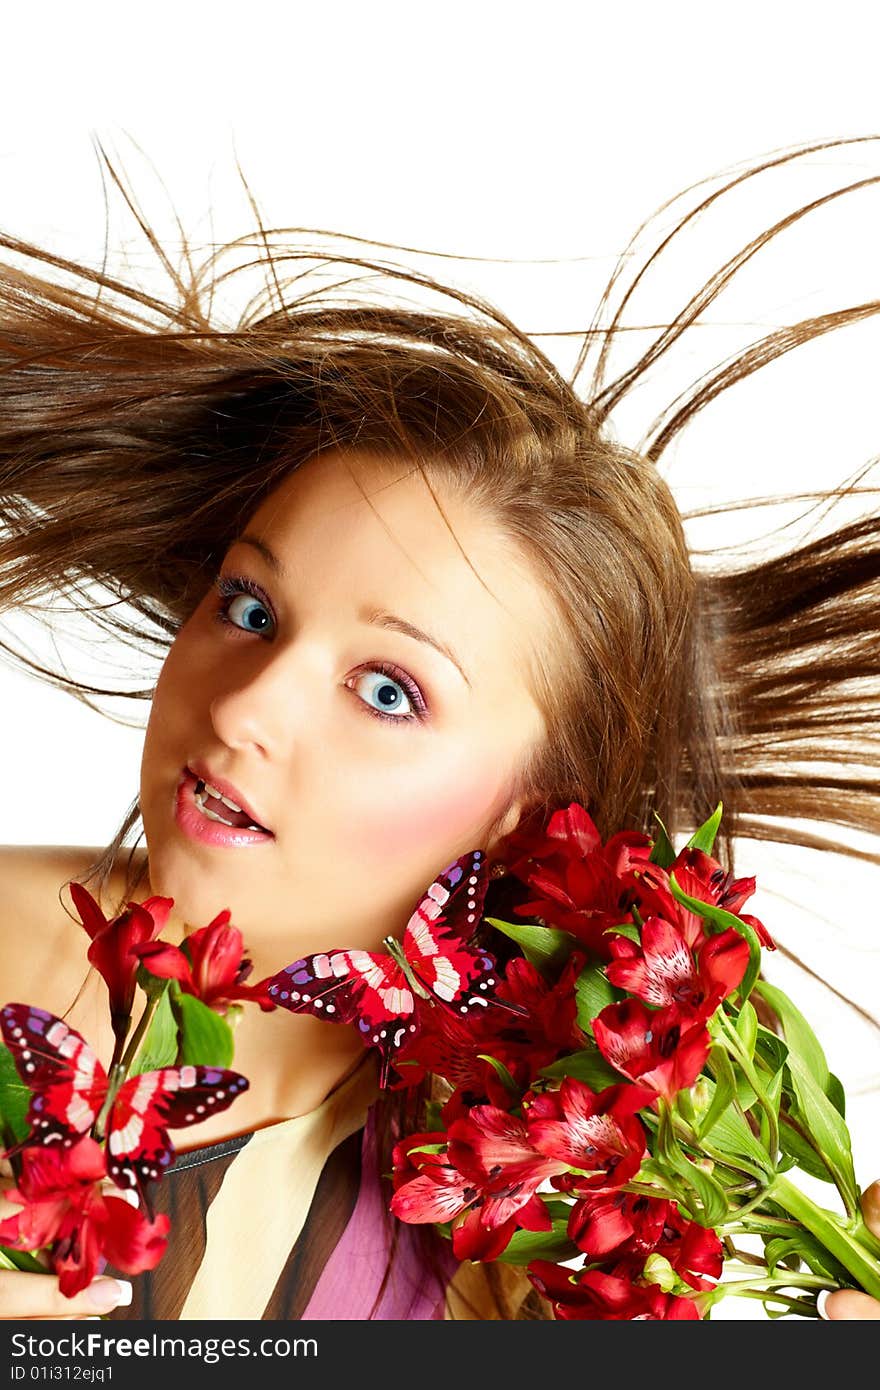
{"x":264,"y":1199}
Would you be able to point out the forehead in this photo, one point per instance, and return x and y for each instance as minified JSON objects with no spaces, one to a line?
{"x":356,"y":528}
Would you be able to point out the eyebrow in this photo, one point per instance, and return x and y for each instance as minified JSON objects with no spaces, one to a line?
{"x":375,"y":617}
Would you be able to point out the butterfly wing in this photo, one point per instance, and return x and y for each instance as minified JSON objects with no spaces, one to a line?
{"x":435,"y":942}
{"x":365,"y":987}
{"x":147,"y":1106}
{"x":67,"y":1081}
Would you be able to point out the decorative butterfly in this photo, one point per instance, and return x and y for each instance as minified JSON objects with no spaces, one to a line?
{"x":433,"y":961}
{"x":70,"y":1087}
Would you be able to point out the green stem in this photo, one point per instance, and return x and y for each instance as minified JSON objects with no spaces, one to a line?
{"x":734,"y":1045}
{"x":826,"y":1227}
{"x":139,"y":1032}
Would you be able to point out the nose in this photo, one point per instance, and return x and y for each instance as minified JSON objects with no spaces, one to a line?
{"x":261,"y":700}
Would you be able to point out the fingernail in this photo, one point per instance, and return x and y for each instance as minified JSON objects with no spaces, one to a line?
{"x":105,"y":1294}
{"x":821,"y":1300}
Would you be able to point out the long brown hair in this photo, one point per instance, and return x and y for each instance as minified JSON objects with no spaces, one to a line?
{"x":137,"y":436}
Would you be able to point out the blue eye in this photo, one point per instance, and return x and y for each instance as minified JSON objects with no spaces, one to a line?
{"x":248,"y":618}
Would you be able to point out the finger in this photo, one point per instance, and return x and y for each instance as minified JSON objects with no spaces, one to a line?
{"x":871,"y":1207}
{"x":847,"y":1303}
{"x":38,"y":1296}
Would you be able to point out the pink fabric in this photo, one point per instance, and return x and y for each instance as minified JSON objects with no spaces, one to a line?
{"x":351,"y":1277}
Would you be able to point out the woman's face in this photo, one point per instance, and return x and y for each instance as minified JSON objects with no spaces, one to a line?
{"x":285,"y":701}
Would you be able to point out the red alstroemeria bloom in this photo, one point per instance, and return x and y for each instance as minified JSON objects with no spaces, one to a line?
{"x":482,"y":1225}
{"x":66,"y":1210}
{"x":592,"y":1296}
{"x":665,"y":1050}
{"x":702,"y":877}
{"x":112,"y":951}
{"x":448,"y":1046}
{"x":582,"y":885}
{"x":493,"y":1150}
{"x":600,"y":1133}
{"x":692,"y":1250}
{"x":551,"y":1020}
{"x":609,"y":1225}
{"x":664,"y":971}
{"x":211,"y":966}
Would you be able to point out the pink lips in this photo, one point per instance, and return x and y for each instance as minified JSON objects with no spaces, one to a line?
{"x":210,"y":832}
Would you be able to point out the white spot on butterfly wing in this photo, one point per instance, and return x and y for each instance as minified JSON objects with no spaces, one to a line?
{"x":397,"y":1000}
{"x":447,"y":983}
{"x":124,"y":1140}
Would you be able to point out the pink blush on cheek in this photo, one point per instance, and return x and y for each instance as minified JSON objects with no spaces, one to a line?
{"x":439,"y":819}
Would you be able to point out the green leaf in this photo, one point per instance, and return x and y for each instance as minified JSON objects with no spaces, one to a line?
{"x":554,"y":1245}
{"x":588,"y":1066}
{"x":799,"y":1036}
{"x":810,"y":1251}
{"x":593,"y":992}
{"x":770,"y":1049}
{"x":627,"y":929}
{"x":433,"y":1116}
{"x":502,"y":1072}
{"x":159,"y":1047}
{"x":704,"y":837}
{"x":732,"y":1135}
{"x":803,"y":1155}
{"x":20,"y":1259}
{"x":15,"y":1097}
{"x":826,"y":1128}
{"x":722,"y":920}
{"x":548,"y":948}
{"x":724,"y":1089}
{"x":713,"y":1206}
{"x":747,"y":1027}
{"x":663,"y":850}
{"x":206,"y":1038}
{"x":835,"y":1093}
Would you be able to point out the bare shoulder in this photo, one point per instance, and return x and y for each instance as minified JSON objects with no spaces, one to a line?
{"x":39,"y":927}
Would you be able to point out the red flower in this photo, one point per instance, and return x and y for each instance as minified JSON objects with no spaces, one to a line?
{"x":598,"y":1133}
{"x":664,"y":972}
{"x":482,"y":1224}
{"x":615,"y":1224}
{"x":66,"y":1209}
{"x":691,"y":1249}
{"x":665,"y":1050}
{"x":583,"y":886}
{"x":112,"y":951}
{"x":493,"y":1149}
{"x":448,"y":1046}
{"x":211,"y":966}
{"x":594,"y":1296}
{"x":701,"y":876}
{"x":551,"y":1021}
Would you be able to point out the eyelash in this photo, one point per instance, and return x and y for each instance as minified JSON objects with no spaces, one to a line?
{"x":231,"y":586}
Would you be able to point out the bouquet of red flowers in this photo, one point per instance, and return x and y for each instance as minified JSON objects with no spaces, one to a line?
{"x":87,"y":1144}
{"x":647,"y":1109}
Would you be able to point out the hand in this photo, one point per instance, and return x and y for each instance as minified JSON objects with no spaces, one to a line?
{"x":26,"y":1295}
{"x":847,"y":1303}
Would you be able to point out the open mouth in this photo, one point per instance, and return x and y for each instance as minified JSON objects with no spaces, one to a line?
{"x":216,"y":807}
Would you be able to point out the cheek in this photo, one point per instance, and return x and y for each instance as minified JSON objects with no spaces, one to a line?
{"x":431,"y":812}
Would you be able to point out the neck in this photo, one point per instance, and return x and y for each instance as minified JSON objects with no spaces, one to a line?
{"x":292,"y":1061}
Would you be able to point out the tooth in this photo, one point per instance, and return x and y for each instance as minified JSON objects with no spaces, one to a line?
{"x":218,"y":795}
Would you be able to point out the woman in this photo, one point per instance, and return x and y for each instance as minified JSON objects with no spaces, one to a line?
{"x":337,"y":519}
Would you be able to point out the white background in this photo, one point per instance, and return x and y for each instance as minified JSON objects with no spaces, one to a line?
{"x":529,"y":133}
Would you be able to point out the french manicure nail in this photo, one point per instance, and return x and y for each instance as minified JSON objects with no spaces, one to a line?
{"x":105,"y":1294}
{"x":821,"y":1300}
